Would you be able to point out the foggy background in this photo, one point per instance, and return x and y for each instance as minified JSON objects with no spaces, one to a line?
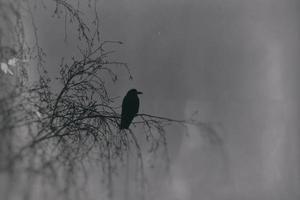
{"x":237,"y":63}
{"x":231,"y":63}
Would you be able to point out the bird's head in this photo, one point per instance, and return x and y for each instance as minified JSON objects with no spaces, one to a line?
{"x":134,"y":91}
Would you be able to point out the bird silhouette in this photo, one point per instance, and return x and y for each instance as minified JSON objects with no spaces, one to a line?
{"x":130,"y":107}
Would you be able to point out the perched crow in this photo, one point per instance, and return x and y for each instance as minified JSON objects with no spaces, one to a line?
{"x":130,"y":108}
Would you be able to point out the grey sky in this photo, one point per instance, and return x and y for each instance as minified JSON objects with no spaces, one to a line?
{"x":237,"y":63}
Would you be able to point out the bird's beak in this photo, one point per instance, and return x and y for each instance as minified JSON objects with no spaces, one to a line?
{"x":139,"y":92}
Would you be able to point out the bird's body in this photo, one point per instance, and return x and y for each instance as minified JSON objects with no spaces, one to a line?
{"x":130,"y":107}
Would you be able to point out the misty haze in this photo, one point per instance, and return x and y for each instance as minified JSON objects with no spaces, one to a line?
{"x":153,"y":100}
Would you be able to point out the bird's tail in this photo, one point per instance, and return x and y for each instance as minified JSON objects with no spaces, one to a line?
{"x":124,"y":124}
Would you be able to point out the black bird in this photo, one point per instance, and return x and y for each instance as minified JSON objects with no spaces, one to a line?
{"x":130,"y":108}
